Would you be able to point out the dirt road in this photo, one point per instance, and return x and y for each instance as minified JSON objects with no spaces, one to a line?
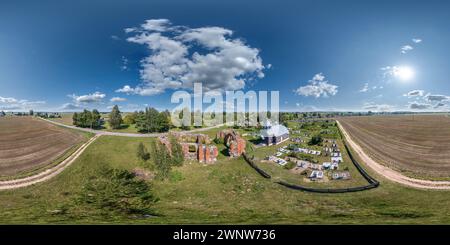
{"x":100,"y":132}
{"x":391,"y":174}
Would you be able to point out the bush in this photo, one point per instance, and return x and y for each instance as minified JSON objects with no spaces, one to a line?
{"x":290,"y":165}
{"x":117,"y":191}
{"x":315,"y":140}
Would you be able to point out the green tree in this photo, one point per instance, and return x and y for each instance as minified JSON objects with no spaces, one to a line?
{"x":75,"y":119}
{"x":31,"y":112}
{"x":130,"y":118}
{"x":315,"y":140}
{"x":95,"y":119}
{"x":117,"y":191}
{"x":142,"y":152}
{"x":162,"y":161}
{"x":177,"y":152}
{"x":115,"y":119}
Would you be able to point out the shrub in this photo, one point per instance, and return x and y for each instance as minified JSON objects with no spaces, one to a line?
{"x":117,"y":191}
{"x":315,"y":140}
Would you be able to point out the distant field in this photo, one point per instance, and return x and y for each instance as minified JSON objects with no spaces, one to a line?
{"x":418,"y":146}
{"x":28,"y":143}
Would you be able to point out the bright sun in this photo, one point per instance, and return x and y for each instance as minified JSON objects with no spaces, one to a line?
{"x":404,"y":73}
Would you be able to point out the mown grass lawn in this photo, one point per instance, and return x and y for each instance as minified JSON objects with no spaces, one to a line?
{"x":226,"y":192}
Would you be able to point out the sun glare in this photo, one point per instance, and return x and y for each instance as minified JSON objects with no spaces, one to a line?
{"x":404,"y":73}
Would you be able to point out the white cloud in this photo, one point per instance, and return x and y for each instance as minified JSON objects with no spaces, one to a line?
{"x":419,"y":106}
{"x":439,"y":105}
{"x":70,"y":107}
{"x":365,"y":88}
{"x":126,"y":89}
{"x":10,"y":103}
{"x":318,"y":87}
{"x":404,"y":49}
{"x":181,"y":56}
{"x":128,"y":30}
{"x":118,"y":99}
{"x":88,"y":98}
{"x":436,"y":97}
{"x":377,"y":107}
{"x":417,"y":40}
{"x":415,"y":93}
{"x":159,"y":25}
{"x":124,"y":65}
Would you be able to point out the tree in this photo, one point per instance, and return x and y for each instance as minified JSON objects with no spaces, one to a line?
{"x":142,"y":152}
{"x":162,"y":161}
{"x":130,"y":118}
{"x":115,"y":119}
{"x":177,"y":152}
{"x":163,"y":122}
{"x":95,"y":117}
{"x":31,"y":112}
{"x":117,"y":191}
{"x":86,"y":119}
{"x":152,"y":121}
{"x":75,"y":118}
{"x":315,"y":140}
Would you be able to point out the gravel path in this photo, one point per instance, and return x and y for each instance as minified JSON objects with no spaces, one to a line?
{"x":150,"y":135}
{"x":392,"y":174}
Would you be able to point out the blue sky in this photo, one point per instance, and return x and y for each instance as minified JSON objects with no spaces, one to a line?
{"x":320,"y":55}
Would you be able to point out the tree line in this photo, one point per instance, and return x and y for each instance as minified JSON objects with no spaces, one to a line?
{"x":87,"y":119}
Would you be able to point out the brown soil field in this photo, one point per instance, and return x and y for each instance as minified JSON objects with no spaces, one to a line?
{"x":416,"y":145}
{"x":27,"y":144}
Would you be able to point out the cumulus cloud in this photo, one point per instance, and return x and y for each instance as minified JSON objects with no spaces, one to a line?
{"x":318,"y":87}
{"x":417,"y":40}
{"x":404,"y":49}
{"x":117,"y":99}
{"x":126,"y":89}
{"x":88,"y":98}
{"x":377,"y":107}
{"x":180,"y":56}
{"x":439,"y":105}
{"x":415,"y":93}
{"x":10,"y":103}
{"x":419,"y":106}
{"x":436,"y":97}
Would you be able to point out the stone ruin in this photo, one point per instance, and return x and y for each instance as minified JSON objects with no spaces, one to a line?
{"x":234,"y":142}
{"x":194,"y":146}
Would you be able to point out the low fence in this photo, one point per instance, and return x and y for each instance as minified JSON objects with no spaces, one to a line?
{"x":253,"y":165}
{"x":373,"y":183}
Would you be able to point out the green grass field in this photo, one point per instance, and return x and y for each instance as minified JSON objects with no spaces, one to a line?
{"x":227,"y":192}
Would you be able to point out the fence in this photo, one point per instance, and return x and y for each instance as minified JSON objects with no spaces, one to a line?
{"x":373,"y":183}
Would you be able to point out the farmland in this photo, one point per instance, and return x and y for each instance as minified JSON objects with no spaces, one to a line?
{"x":226,"y":192}
{"x":229,"y":191}
{"x":28,"y":144}
{"x":417,"y":146}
